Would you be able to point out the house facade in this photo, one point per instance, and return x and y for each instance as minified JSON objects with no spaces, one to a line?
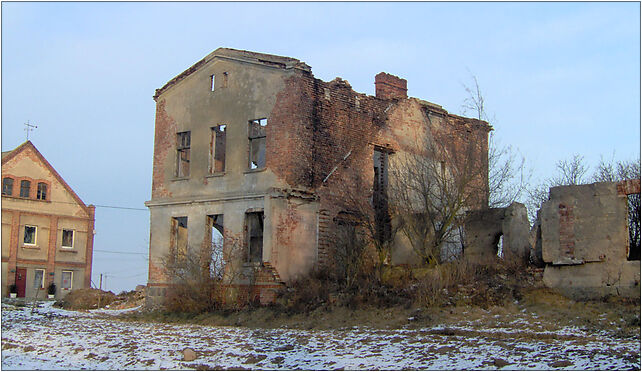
{"x":253,"y":146}
{"x":47,"y":230}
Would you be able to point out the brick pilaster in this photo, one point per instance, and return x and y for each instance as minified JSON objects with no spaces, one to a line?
{"x":13,"y":247}
{"x":90,"y":245}
{"x":51,"y":248}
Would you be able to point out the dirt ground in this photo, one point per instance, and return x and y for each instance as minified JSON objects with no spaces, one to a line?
{"x":516,"y":337}
{"x":539,"y":310}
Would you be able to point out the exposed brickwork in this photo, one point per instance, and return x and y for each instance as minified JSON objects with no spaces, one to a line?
{"x":567,"y":231}
{"x":315,"y":124}
{"x":389,"y":86}
{"x":628,"y":187}
{"x":164,"y":143}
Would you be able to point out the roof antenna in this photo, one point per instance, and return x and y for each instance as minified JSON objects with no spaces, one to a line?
{"x":29,"y":128}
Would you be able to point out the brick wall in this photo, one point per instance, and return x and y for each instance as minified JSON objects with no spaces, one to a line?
{"x":389,"y":86}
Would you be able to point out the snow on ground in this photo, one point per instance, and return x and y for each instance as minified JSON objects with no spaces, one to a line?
{"x":54,"y":339}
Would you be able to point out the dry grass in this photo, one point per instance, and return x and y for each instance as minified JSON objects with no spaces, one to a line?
{"x":85,"y":299}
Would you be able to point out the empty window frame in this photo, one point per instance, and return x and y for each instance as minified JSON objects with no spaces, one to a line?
{"x":215,"y":232}
{"x":179,"y":235}
{"x":380,"y":194}
{"x":182,"y":154}
{"x":254,"y":226}
{"x":25,"y":188}
{"x":217,"y":149}
{"x":256,"y":136}
{"x":67,"y":280}
{"x":42,"y":191}
{"x":212,"y":82}
{"x":633,"y":221}
{"x":67,"y":238}
{"x":7,"y":186}
{"x":30,"y":235}
{"x":39,"y":278}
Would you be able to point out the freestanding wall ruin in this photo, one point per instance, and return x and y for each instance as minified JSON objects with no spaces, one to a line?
{"x":585,"y":240}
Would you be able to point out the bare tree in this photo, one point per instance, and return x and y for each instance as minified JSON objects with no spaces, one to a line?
{"x":571,"y":171}
{"x":431,"y":189}
{"x":611,"y":171}
{"x":508,"y":177}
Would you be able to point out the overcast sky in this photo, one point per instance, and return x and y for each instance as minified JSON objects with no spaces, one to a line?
{"x":559,"y":78}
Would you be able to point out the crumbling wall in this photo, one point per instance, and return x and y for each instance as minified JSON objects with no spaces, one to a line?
{"x":500,"y":232}
{"x":584,"y":240}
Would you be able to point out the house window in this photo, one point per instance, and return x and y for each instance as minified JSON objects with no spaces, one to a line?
{"x":67,"y":238}
{"x":42,"y":191}
{"x":7,"y":186}
{"x":39,"y":278}
{"x":213,"y":81}
{"x":254,"y":226}
{"x":217,"y":149}
{"x":182,"y":154}
{"x":67,"y":280}
{"x":179,"y":235}
{"x":30,"y":235}
{"x":25,"y":187}
{"x":257,"y":143}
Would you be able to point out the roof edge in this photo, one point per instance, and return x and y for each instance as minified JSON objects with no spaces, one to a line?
{"x":27,"y":144}
{"x":268,"y":60}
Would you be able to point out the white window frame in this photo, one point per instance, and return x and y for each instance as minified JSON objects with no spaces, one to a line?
{"x":71,"y":279}
{"x":213,"y":82}
{"x":73,"y":238}
{"x":42,"y":282}
{"x":35,"y":235}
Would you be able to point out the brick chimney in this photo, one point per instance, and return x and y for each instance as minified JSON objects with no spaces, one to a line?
{"x":389,"y":86}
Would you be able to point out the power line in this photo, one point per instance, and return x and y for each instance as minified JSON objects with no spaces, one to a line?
{"x":100,"y":250}
{"x":103,"y":206}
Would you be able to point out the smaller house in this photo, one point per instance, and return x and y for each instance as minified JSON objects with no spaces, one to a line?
{"x":47,"y":230}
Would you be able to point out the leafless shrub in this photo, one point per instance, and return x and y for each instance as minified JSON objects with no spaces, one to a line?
{"x":201,"y":280}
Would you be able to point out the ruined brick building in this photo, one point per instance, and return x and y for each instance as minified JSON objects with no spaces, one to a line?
{"x":47,"y":230}
{"x":254,"y":146}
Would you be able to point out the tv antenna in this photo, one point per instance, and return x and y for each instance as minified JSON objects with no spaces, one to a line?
{"x":29,"y":128}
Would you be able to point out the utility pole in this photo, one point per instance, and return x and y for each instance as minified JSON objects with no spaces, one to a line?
{"x":29,"y":128}
{"x":101,"y":282}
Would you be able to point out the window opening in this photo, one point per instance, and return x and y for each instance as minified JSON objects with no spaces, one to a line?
{"x":633,"y":219}
{"x":179,"y":235}
{"x":182,"y":154}
{"x":39,"y":278}
{"x":25,"y":187}
{"x":257,"y":143}
{"x":254,"y":225}
{"x":499,"y":245}
{"x":215,"y":230}
{"x":67,"y":238}
{"x":380,"y":195}
{"x":30,"y":235}
{"x":7,"y":186}
{"x":213,"y":82}
{"x":67,"y":280}
{"x":42,"y":191}
{"x":217,"y":149}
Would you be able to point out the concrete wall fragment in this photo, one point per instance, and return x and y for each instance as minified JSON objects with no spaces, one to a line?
{"x":584,"y":239}
{"x":486,"y":228}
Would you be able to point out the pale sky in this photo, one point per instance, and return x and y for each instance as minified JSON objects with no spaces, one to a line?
{"x":559,"y":78}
